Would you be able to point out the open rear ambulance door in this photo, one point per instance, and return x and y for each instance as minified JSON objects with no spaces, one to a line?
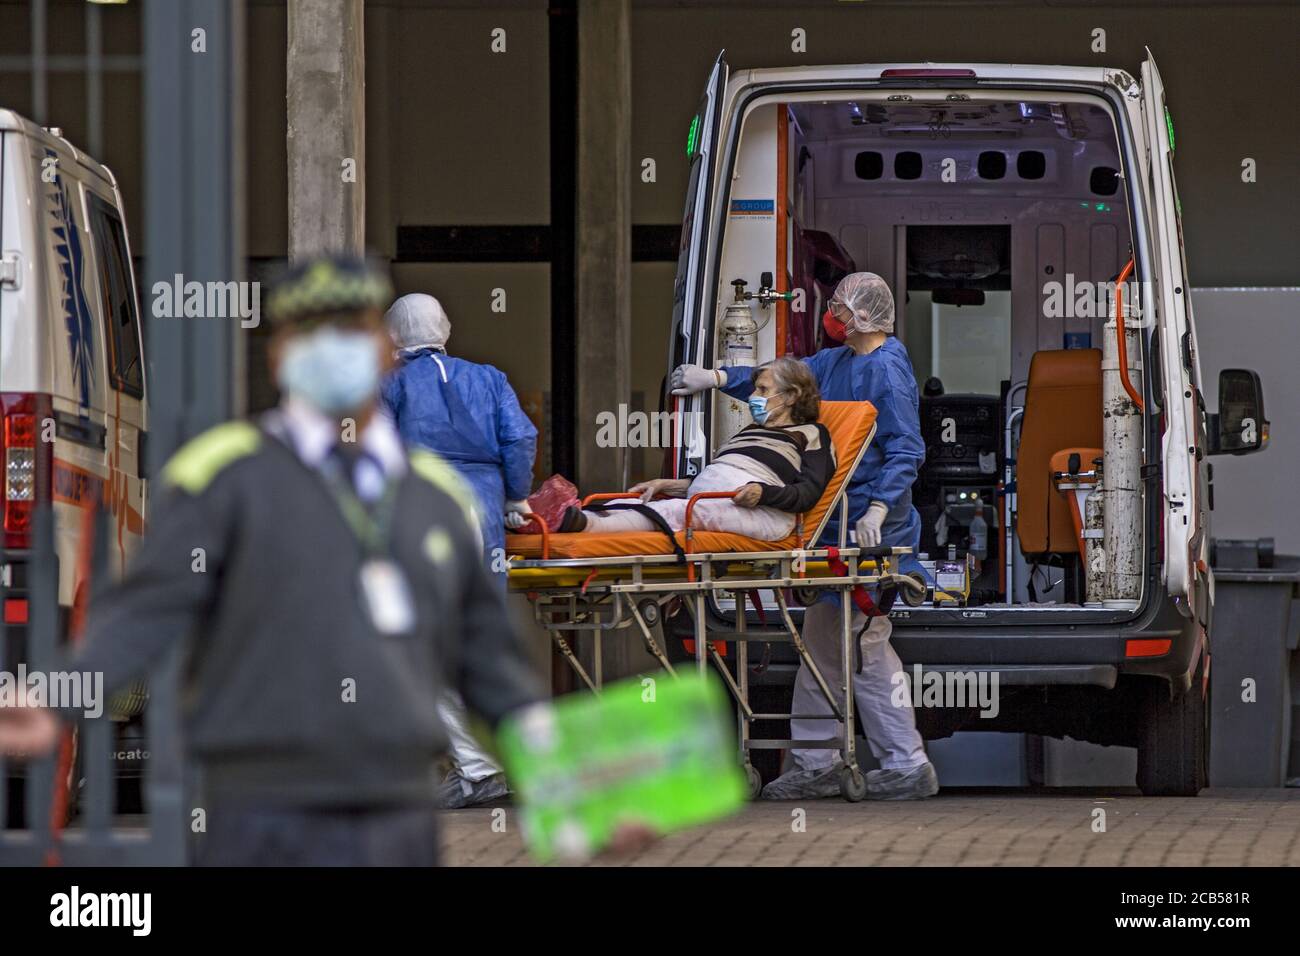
{"x":686,"y":343}
{"x":1184,"y":518}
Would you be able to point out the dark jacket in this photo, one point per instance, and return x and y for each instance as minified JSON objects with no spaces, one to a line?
{"x":801,"y":456}
{"x":291,"y":696}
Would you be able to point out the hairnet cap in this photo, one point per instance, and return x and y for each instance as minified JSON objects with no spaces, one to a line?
{"x":867,"y":299}
{"x":324,"y":284}
{"x":418,"y":321}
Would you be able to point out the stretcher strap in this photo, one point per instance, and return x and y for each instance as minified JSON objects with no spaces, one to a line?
{"x":654,"y":517}
{"x":860,"y":596}
{"x":758,"y":606}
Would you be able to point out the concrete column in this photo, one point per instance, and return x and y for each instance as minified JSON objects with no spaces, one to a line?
{"x":327,"y":126}
{"x":604,"y":267}
{"x":604,"y":254}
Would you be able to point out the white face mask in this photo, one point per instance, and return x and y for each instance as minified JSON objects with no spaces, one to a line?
{"x":332,"y":369}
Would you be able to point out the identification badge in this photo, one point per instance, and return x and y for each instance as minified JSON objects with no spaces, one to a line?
{"x":387,"y":597}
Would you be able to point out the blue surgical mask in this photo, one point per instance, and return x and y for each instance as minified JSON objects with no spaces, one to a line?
{"x":332,"y":369}
{"x":758,"y":408}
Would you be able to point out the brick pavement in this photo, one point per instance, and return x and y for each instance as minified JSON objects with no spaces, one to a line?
{"x":957,"y":828}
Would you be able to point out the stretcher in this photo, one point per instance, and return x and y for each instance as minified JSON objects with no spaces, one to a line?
{"x":595,"y":583}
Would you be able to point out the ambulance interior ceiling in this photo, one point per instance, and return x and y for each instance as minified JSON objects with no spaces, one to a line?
{"x":1032,"y":195}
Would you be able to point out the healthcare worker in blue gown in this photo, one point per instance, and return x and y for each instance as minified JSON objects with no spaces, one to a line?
{"x":870,"y":366}
{"x":468,"y":414}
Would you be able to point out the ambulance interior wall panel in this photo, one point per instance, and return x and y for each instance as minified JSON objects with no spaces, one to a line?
{"x":1104,"y":260}
{"x":748,"y":249}
{"x":1042,"y":251}
{"x":1049,"y":266}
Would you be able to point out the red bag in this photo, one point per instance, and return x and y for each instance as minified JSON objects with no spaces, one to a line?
{"x":549,"y":502}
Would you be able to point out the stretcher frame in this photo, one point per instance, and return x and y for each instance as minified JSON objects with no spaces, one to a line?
{"x":572,"y":596}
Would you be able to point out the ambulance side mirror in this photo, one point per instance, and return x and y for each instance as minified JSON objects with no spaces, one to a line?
{"x":1239,"y":427}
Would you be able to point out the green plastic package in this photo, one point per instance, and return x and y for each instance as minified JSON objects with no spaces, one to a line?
{"x":654,"y":751}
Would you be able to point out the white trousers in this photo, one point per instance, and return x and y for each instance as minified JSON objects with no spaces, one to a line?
{"x":714,"y":514}
{"x":467,"y":756}
{"x":887,"y":717}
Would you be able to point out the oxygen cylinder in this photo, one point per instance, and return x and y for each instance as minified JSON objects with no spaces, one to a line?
{"x":1122,"y":451}
{"x":737,"y":345}
{"x":1094,"y":549}
{"x":739,"y":335}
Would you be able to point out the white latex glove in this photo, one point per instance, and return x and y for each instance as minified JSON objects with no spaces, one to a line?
{"x":517,"y":513}
{"x":868,"y":526}
{"x":689,"y":379}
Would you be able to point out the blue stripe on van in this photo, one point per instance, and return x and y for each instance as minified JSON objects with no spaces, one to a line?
{"x":77,"y":317}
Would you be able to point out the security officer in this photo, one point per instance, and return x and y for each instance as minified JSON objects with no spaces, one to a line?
{"x":321,"y":630}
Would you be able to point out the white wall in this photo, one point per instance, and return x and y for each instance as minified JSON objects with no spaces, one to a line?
{"x":1255,"y":496}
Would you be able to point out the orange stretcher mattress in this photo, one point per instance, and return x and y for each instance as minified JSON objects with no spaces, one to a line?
{"x":851,"y":425}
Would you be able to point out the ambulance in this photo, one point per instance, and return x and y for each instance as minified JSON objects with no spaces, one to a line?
{"x":1028,"y":223}
{"x":73,"y":400}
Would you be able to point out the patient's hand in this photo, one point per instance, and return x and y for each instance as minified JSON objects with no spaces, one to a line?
{"x":748,"y":496}
{"x":661,"y":487}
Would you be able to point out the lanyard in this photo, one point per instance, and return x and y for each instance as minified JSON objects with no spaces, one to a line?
{"x":370,"y":526}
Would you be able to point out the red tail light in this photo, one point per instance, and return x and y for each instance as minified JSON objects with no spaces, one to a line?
{"x":27,"y":462}
{"x":15,"y":610}
{"x":1147,"y":646}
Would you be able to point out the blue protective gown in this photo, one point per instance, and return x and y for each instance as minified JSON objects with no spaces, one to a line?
{"x":887,"y":470}
{"x":472,"y":419}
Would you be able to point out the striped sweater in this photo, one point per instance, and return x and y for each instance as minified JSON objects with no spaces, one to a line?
{"x":800,"y":457}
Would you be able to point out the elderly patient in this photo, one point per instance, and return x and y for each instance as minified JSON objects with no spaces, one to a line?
{"x":779,"y":465}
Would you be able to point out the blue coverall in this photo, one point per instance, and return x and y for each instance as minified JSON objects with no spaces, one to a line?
{"x":468,"y":414}
{"x":887,"y":470}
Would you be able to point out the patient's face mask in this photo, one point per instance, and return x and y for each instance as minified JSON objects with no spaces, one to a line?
{"x":832,"y":326}
{"x":758,"y":408}
{"x":336,"y":370}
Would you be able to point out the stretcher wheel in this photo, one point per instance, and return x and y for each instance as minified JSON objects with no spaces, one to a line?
{"x":853,"y":785}
{"x":806,"y":597}
{"x":753,"y":781}
{"x":914,"y":598}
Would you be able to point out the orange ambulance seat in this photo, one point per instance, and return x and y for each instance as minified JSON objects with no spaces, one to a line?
{"x":1062,"y":410}
{"x":850,"y":425}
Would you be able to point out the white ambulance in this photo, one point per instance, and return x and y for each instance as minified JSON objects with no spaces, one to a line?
{"x":1027,"y":222}
{"x":73,"y":404}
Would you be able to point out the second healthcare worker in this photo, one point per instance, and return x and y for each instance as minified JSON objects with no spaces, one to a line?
{"x":469,"y":415}
{"x":870,"y":366}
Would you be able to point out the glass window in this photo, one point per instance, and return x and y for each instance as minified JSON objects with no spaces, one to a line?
{"x":966,"y":347}
{"x":119,"y":302}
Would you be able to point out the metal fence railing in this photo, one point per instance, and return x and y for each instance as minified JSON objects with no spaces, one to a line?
{"x":93,"y":834}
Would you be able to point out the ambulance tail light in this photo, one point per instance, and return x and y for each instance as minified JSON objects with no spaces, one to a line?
{"x":27,"y":461}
